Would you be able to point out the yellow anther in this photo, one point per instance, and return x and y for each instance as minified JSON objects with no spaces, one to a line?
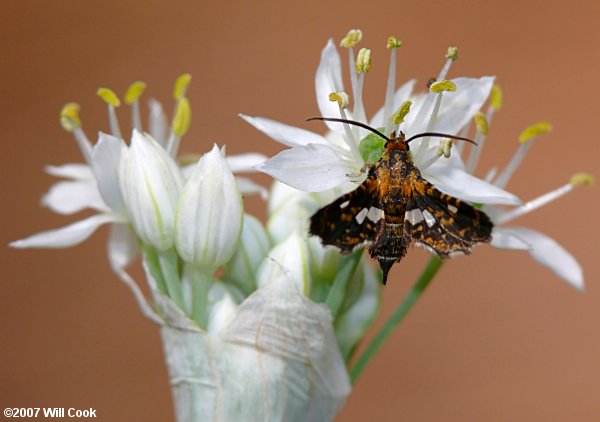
{"x":444,"y":148}
{"x":341,"y":97}
{"x":452,"y":53}
{"x":134,"y":91}
{"x":393,"y":42}
{"x":496,"y":97}
{"x":400,"y":114}
{"x":183,"y":117}
{"x":363,"y":60}
{"x":69,"y":117}
{"x":534,"y":131}
{"x":482,"y":123}
{"x":109,"y":96}
{"x":181,"y":85}
{"x":583,"y":179}
{"x":442,"y":86}
{"x":353,"y":37}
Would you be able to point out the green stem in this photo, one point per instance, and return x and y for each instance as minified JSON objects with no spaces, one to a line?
{"x":169,"y":266}
{"x":339,"y":288}
{"x":201,"y":282}
{"x":405,"y":306}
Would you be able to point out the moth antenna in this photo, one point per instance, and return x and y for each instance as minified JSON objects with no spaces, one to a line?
{"x":350,"y":122}
{"x":441,"y":135}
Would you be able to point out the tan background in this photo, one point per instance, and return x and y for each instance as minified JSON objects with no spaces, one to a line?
{"x":496,"y":338}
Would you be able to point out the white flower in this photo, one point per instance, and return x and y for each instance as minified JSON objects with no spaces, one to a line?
{"x":542,"y":248}
{"x":317,"y":163}
{"x":209,"y":215}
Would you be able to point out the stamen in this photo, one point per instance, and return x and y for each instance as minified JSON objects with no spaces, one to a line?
{"x":363,"y":65}
{"x":438,"y":87}
{"x":181,"y":85}
{"x":352,"y":38}
{"x":526,"y":141}
{"x":179,"y":125}
{"x":481,"y":123}
{"x":579,"y":179}
{"x":444,"y":148}
{"x":393,"y":44}
{"x":110,"y":98}
{"x":443,"y":85}
{"x":70,"y":121}
{"x":135,"y":90}
{"x":496,"y":97}
{"x":400,"y":114}
{"x":343,"y":99}
{"x":451,"y":56}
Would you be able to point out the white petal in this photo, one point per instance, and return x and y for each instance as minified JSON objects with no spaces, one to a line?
{"x":71,"y":197}
{"x":122,"y":246}
{"x":245,"y":162}
{"x":402,"y":94}
{"x":71,"y":171}
{"x":459,"y":183}
{"x":285,"y":134}
{"x":67,"y":236}
{"x":290,"y":259}
{"x":549,"y":253}
{"x":106,"y":157}
{"x":506,"y":238}
{"x":313,"y":168}
{"x":249,"y":187}
{"x":208,"y":220}
{"x":329,"y":79}
{"x":157,"y":122}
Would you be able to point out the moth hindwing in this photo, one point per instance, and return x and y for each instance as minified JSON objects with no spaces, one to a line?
{"x":395,"y":207}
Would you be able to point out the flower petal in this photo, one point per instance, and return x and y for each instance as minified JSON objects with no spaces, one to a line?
{"x":313,"y":168}
{"x":506,"y":238}
{"x":329,"y":79}
{"x":549,"y":253}
{"x":157,"y":121}
{"x":67,"y":236}
{"x":285,"y":134}
{"x":457,"y":182}
{"x":249,"y":187}
{"x":75,"y":171}
{"x":245,"y":162}
{"x":402,"y":94}
{"x":69,"y":197}
{"x":106,"y":157}
{"x":122,"y":246}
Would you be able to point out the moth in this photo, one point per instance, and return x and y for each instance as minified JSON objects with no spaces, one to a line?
{"x":395,"y":207}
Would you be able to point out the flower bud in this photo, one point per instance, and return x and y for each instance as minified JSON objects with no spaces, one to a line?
{"x":150,"y":183}
{"x":209,"y":215}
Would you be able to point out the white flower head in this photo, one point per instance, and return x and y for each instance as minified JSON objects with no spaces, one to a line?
{"x":209,"y":213}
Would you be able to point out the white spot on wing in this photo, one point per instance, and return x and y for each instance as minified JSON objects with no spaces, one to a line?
{"x":452,"y":209}
{"x":360,"y":217}
{"x":344,"y":204}
{"x":375,"y":214}
{"x":414,"y":216}
{"x":429,"y":219}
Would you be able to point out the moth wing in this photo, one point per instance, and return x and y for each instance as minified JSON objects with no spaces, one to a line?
{"x":348,"y":222}
{"x":443,"y":223}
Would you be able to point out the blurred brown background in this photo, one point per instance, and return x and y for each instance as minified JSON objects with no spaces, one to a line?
{"x":497,"y":337}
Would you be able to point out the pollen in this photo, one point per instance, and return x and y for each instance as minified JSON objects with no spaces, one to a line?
{"x":341,"y":97}
{"x":583,"y":179}
{"x":393,"y":42}
{"x":482,"y":123}
{"x":400,"y":114}
{"x":534,"y":131}
{"x":109,"y":96}
{"x":452,"y":53}
{"x":181,"y":85}
{"x":442,"y":86}
{"x":183,"y":117}
{"x":444,"y":148}
{"x":496,"y":97}
{"x":69,"y":117}
{"x":352,"y":38}
{"x":363,"y":60}
{"x":135,"y":90}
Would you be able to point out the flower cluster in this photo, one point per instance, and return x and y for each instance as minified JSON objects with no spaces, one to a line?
{"x":336,"y":162}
